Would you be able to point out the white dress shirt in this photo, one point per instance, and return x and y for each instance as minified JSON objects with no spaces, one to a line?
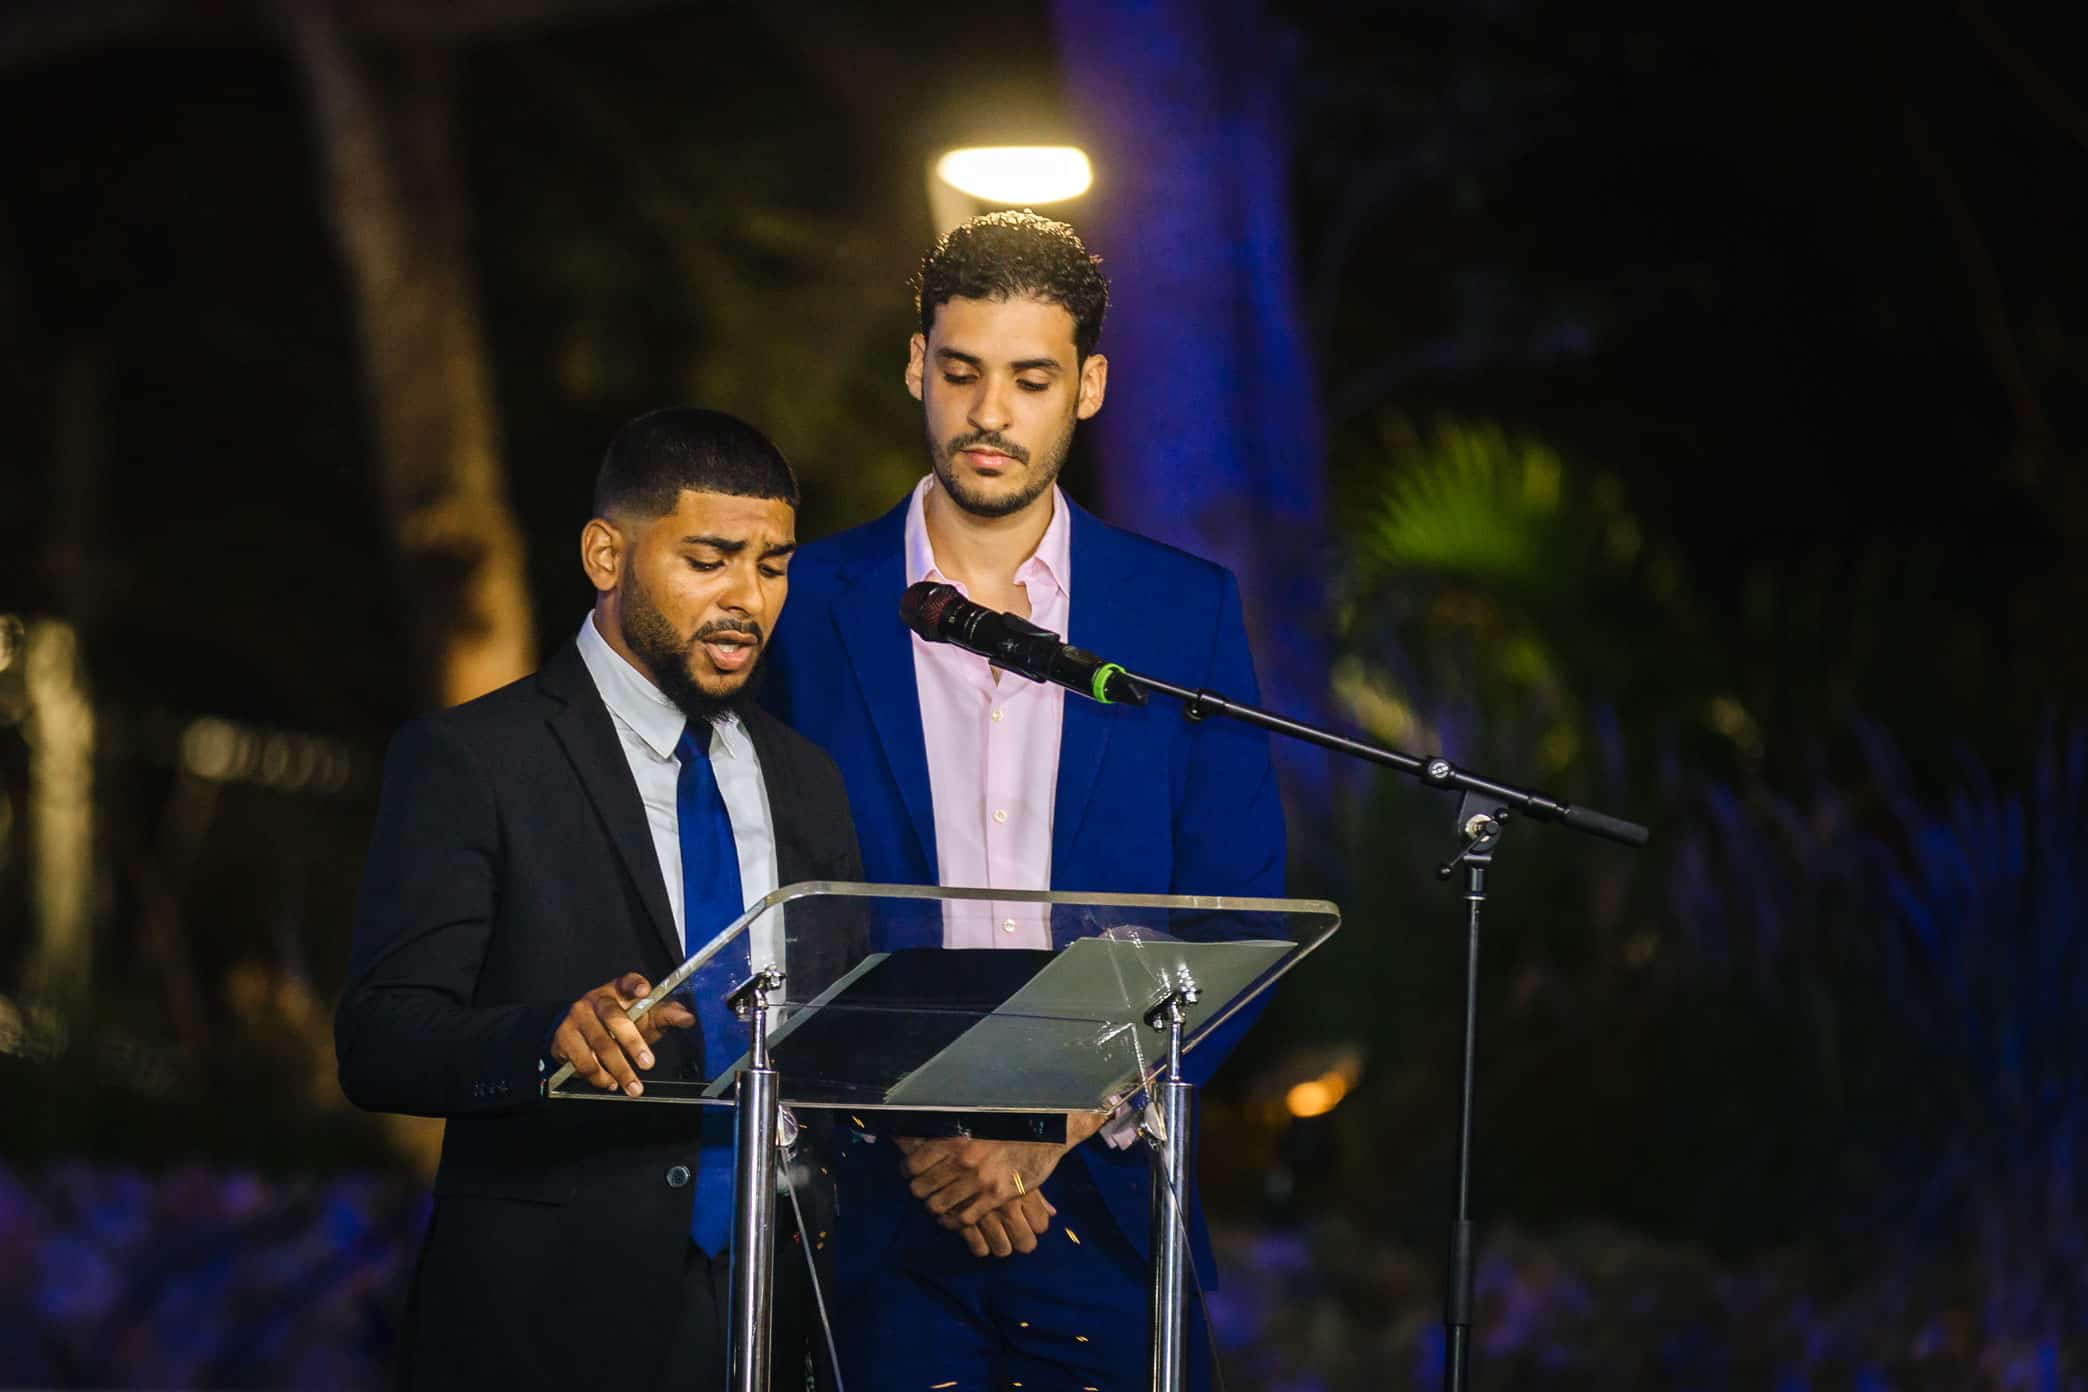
{"x":649,"y":726}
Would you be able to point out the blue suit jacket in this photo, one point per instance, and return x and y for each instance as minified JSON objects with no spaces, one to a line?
{"x":1148,"y":802}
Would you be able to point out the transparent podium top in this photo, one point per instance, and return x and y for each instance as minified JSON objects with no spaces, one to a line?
{"x":959,"y":1000}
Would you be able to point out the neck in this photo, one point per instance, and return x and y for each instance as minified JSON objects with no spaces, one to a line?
{"x":983,"y":552}
{"x":605,"y":622}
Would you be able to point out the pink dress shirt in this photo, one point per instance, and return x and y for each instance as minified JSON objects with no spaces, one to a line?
{"x":993,"y":749}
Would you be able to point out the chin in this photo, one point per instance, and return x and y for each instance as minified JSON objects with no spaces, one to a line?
{"x":714,"y":689}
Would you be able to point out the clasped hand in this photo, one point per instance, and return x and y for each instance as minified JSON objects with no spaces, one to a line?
{"x":987,"y":1192}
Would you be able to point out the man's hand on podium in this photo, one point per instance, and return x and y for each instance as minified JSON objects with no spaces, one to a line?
{"x":987,"y":1192}
{"x":599,"y":1038}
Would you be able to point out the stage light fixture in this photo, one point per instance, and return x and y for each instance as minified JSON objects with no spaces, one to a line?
{"x":1017,"y":174}
{"x":978,"y":177}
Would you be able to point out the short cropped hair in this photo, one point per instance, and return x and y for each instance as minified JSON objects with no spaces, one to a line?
{"x":656,"y":456}
{"x":1009,"y":255}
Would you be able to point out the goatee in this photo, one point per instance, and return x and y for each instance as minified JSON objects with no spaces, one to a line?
{"x":666,"y":658}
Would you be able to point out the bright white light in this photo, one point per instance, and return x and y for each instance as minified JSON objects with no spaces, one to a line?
{"x":1017,"y":174}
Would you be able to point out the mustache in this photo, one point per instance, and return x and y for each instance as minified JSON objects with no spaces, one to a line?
{"x":991,"y":439}
{"x":742,"y":628}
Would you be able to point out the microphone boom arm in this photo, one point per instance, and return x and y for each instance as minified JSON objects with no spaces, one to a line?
{"x":1435,"y":771}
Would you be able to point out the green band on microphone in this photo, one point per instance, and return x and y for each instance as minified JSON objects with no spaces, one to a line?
{"x":1102,"y":676}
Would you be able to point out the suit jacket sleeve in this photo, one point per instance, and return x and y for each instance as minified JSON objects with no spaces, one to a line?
{"x":407,"y":1032}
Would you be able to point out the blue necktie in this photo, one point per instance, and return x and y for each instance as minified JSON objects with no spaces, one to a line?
{"x":711,"y":898}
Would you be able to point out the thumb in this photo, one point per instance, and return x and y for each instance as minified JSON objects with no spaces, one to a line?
{"x":633,"y":985}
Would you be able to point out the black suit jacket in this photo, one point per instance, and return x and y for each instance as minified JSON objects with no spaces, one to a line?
{"x":511,"y":871}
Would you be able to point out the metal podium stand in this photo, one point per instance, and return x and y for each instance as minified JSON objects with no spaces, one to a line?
{"x":970,"y":1009}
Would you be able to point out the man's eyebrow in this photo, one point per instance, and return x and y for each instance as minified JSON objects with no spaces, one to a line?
{"x":732,"y":547}
{"x":1025,"y":365}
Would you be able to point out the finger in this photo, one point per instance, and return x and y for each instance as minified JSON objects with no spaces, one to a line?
{"x":633,"y":987}
{"x":1036,"y":1212}
{"x":923,"y":1156}
{"x":567,"y":1045}
{"x":933,"y":1178}
{"x":606,"y":1050}
{"x":975,"y":1209}
{"x":626,"y":1034}
{"x":996,"y":1235}
{"x":975,"y":1240}
{"x":961,"y":1194}
{"x":1015,"y":1219}
{"x":669,"y":1015}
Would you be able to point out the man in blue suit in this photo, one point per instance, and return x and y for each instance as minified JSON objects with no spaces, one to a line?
{"x":961,"y":775}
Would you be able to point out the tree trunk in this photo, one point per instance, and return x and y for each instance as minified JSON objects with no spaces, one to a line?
{"x":397,"y":205}
{"x":1210,"y":439}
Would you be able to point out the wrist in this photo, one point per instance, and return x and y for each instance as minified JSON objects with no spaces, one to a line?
{"x":1081,"y":1125}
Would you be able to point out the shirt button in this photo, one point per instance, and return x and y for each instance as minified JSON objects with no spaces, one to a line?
{"x":998,"y":714}
{"x":1007,"y":925}
{"x":1000,"y":814}
{"x":678,"y":1177}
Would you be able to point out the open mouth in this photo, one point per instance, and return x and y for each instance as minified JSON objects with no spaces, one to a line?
{"x":730,"y":652}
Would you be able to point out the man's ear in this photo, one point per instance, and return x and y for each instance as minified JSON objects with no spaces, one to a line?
{"x":602,"y":553}
{"x":916,"y":363}
{"x":1094,"y":382}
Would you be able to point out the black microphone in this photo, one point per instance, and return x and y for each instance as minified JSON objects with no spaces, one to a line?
{"x":941,"y":615}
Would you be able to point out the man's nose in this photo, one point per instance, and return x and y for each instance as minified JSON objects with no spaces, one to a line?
{"x":989,"y":406}
{"x":744,"y":598}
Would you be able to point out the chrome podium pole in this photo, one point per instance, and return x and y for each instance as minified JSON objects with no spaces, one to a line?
{"x":753,"y":1190}
{"x":1170,"y":1225}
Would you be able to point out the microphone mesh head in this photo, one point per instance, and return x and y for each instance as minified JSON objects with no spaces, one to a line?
{"x":923,"y":607}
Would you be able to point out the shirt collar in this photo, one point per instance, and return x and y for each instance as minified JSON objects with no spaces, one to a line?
{"x":1051,"y":562}
{"x":633,"y":699}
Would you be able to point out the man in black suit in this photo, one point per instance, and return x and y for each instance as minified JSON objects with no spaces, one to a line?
{"x":541,"y":856}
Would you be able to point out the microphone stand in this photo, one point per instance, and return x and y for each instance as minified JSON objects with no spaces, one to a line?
{"x":1482,"y":815}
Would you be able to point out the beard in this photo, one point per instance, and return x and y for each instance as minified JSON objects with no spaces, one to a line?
{"x":1041,"y":476}
{"x":666,"y":657}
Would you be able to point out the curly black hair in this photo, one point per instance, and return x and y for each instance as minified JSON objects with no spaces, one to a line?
{"x":998,"y":256}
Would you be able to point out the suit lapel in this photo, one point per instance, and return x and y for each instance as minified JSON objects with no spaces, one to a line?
{"x":880,"y":653}
{"x":1101,"y":622}
{"x":583,"y":728}
{"x":788,"y":813}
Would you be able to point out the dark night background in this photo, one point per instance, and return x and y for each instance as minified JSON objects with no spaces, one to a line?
{"x":1682,"y":411}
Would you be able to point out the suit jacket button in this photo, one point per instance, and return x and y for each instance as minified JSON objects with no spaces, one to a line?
{"x":678,"y":1177}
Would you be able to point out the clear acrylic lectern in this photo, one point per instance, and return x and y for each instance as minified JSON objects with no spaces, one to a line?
{"x":975,"y":1011}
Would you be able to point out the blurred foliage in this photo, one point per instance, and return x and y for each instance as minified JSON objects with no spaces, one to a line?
{"x":1841,"y":995}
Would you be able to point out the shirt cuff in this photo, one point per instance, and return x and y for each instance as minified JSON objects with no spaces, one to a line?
{"x":1121,"y":1130}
